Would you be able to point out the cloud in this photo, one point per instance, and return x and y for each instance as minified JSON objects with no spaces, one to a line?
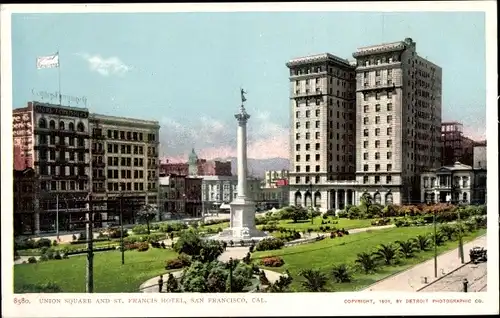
{"x":217,"y":139}
{"x":106,"y":66}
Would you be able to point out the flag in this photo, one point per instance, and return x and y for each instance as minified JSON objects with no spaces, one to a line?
{"x":50,"y":61}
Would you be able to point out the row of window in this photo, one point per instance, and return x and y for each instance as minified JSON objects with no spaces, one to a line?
{"x":378,"y":108}
{"x":322,"y":68}
{"x":377,"y":167}
{"x":378,"y":95}
{"x":125,"y":174}
{"x":317,"y":168}
{"x":127,"y":186}
{"x":127,"y":161}
{"x":308,"y":180}
{"x":51,"y":155}
{"x":128,"y":135}
{"x":42,"y":123}
{"x":317,"y":81}
{"x":378,"y":61}
{"x":379,"y":83}
{"x":377,"y":73}
{"x":377,"y":143}
{"x":377,"y":156}
{"x":51,"y":140}
{"x":366,"y":120}
{"x":330,"y":92}
{"x":388,"y":179}
{"x":46,"y":170}
{"x":62,"y":185}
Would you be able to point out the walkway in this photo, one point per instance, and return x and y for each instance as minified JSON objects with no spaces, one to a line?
{"x":412,"y":279}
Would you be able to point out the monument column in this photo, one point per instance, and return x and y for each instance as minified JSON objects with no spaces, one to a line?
{"x":242,"y":118}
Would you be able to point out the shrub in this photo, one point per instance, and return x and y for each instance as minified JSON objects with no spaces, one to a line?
{"x":251,"y":248}
{"x":324,"y":216}
{"x":32,"y":260}
{"x":174,"y":264}
{"x":55,"y":243}
{"x":143,"y":247}
{"x":341,"y":273}
{"x":73,"y":237}
{"x":57,"y":255}
{"x":24,"y":244}
{"x":330,"y":213}
{"x":40,"y":288}
{"x":116,"y":233}
{"x":43,"y":242}
{"x":185,"y":259}
{"x":140,"y":229}
{"x":269,"y":244}
{"x":274,"y":261}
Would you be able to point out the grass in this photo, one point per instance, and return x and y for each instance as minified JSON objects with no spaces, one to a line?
{"x":328,"y":252}
{"x":303,"y":225}
{"x":109,"y":275}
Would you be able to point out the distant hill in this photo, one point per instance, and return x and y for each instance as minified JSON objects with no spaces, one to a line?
{"x":257,"y":167}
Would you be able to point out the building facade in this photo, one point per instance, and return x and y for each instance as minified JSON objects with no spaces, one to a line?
{"x":217,"y":190}
{"x":322,"y":152}
{"x":195,"y":166}
{"x":180,"y":196}
{"x":398,"y":113}
{"x":125,"y":164}
{"x":25,"y":196}
{"x":61,"y":164}
{"x":23,"y":136}
{"x":480,"y":156}
{"x":457,"y":184}
{"x":275,"y":178}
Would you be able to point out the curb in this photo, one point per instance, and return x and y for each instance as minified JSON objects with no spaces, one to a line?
{"x":447,"y":274}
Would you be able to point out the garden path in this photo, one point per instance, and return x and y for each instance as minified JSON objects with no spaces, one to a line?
{"x":412,"y":279}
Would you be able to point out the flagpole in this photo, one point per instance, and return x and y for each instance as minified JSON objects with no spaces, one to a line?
{"x":59,"y":77}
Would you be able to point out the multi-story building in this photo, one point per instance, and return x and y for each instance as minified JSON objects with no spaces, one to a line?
{"x":271,"y":178}
{"x":25,"y":197}
{"x":61,"y":162}
{"x":216,"y":190}
{"x":322,"y":94}
{"x":480,"y":155}
{"x":398,"y":129}
{"x":196,"y":166}
{"x":23,"y":135}
{"x":457,"y":183}
{"x":124,"y":163}
{"x":180,"y":196}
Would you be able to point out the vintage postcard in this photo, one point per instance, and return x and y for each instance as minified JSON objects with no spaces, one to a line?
{"x":249,"y":159}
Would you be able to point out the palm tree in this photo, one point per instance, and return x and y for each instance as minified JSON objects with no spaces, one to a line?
{"x":341,"y":273}
{"x":448,"y":231}
{"x":387,"y":253}
{"x":367,"y":262}
{"x":438,"y":239}
{"x":407,"y":248}
{"x":148,"y":212}
{"x":315,"y":280}
{"x":422,"y":242}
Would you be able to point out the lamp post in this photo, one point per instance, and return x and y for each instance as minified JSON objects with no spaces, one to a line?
{"x":311,"y":207}
{"x":122,"y":247}
{"x":230,"y":274}
{"x":435,"y":245}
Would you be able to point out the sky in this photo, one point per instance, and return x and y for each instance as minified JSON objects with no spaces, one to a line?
{"x":185,"y":70}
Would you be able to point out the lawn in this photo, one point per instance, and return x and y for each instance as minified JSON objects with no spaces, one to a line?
{"x":303,"y":225}
{"x":109,"y":275}
{"x":328,"y":252}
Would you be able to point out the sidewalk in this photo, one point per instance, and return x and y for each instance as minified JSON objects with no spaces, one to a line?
{"x":412,"y":279}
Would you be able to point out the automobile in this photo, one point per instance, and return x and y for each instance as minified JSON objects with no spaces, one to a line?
{"x":478,"y":254}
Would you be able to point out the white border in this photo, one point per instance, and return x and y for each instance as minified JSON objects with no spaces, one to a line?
{"x":276,"y":304}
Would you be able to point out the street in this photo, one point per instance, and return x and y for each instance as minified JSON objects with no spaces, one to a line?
{"x":476,"y":275}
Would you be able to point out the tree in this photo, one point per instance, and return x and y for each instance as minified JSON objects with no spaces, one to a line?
{"x":366,"y":200}
{"x":367,"y":262}
{"x":407,"y":248}
{"x":422,"y":242}
{"x":387,"y":253}
{"x":210,"y":251}
{"x":295,"y":213}
{"x":189,"y":242}
{"x":216,"y":281}
{"x":448,"y":231}
{"x":313,"y":213}
{"x":341,"y":273}
{"x":438,"y":239}
{"x":281,"y":285}
{"x":315,"y":280}
{"x":147,"y":213}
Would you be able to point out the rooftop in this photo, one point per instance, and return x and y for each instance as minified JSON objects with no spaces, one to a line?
{"x":318,"y":58}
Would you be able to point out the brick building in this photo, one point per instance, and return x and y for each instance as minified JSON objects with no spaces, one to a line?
{"x":180,"y":196}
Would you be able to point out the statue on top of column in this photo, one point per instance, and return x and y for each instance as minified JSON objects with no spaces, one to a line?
{"x":243,"y":98}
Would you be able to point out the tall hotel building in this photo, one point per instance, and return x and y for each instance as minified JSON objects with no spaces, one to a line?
{"x":322,"y":94}
{"x":371,"y":126}
{"x":398,"y":120}
{"x":125,"y":164}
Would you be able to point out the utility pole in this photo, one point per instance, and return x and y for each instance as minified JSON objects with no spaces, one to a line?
{"x":90,"y":248}
{"x":57,"y":216}
{"x":460,"y":242}
{"x":122,"y":247}
{"x":435,"y":246}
